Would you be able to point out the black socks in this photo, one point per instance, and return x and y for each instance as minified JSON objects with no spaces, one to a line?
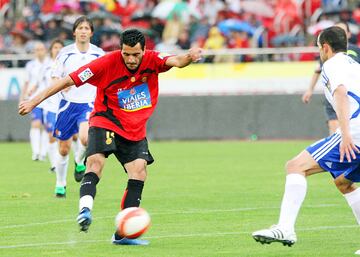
{"x":88,"y":184}
{"x":132,"y":195}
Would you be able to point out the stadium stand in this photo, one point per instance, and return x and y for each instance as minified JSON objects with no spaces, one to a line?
{"x":173,"y":25}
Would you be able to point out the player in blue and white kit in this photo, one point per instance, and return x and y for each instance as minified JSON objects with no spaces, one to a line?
{"x":76,"y":104}
{"x":337,"y":154}
{"x":38,"y":136}
{"x":354,"y":52}
{"x":51,"y":104}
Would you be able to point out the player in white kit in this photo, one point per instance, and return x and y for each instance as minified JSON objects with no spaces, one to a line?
{"x":337,"y":154}
{"x":76,"y":103}
{"x":38,"y":136}
{"x":51,"y":104}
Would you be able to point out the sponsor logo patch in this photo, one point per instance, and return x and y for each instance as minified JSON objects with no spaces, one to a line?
{"x":85,"y":75}
{"x":135,"y":99}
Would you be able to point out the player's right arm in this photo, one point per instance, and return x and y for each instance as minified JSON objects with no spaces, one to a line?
{"x":27,"y":106}
{"x":347,"y":146}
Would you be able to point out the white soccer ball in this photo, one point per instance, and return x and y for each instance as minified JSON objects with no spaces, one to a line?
{"x":132,"y":222}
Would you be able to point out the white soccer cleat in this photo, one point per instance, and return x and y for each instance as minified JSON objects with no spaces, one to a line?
{"x":357,"y":252}
{"x":275,"y":234}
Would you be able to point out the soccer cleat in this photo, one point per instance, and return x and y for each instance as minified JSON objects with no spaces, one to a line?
{"x":79,"y":172}
{"x":60,"y":192}
{"x":128,"y":241}
{"x":84,"y":219}
{"x":35,"y":157}
{"x":275,"y":234}
{"x":52,"y":169}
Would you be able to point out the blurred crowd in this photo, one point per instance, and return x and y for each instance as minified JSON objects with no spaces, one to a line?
{"x":178,"y":24}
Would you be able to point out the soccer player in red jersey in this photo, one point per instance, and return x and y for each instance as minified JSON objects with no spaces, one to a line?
{"x":127,"y":94}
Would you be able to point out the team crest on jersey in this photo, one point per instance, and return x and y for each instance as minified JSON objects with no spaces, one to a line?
{"x":85,"y":75}
{"x":135,"y":99}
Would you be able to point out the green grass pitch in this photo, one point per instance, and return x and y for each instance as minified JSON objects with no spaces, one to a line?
{"x":205,"y":199}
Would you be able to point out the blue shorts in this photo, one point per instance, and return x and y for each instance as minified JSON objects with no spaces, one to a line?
{"x":69,"y":117}
{"x":37,"y":114}
{"x":49,"y":121}
{"x":326,"y":153}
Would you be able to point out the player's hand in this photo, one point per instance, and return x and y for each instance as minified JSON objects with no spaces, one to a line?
{"x":306,"y":97}
{"x":195,"y":54}
{"x":25,"y":107}
{"x":347,"y":148}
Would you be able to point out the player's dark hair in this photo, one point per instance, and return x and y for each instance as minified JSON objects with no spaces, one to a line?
{"x":335,"y":37}
{"x":82,"y":19}
{"x":131,"y":37}
{"x":55,"y":41}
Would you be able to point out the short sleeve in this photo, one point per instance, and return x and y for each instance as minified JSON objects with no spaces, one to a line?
{"x":160,"y":60}
{"x":91,"y":73}
{"x":57,"y":70}
{"x":334,"y":75}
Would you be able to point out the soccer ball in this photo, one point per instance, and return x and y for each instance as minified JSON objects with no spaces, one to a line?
{"x":132,"y":222}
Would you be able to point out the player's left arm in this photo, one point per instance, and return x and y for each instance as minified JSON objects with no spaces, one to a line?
{"x":183,"y":60}
{"x":347,"y":146}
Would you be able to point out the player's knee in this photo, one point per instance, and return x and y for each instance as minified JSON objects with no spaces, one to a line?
{"x":138,"y":173}
{"x":291,"y":166}
{"x":64,"y":149}
{"x":95,"y":164}
{"x":83,"y":140}
{"x":36,"y":124}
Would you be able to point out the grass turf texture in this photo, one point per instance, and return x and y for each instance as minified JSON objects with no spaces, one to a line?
{"x":205,"y":199}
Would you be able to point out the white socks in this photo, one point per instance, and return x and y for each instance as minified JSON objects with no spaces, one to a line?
{"x":80,"y":154}
{"x":44,"y":143}
{"x":53,"y":153}
{"x":86,"y":201}
{"x":61,"y":170}
{"x":353,"y":200}
{"x":294,"y":195}
{"x":35,"y":141}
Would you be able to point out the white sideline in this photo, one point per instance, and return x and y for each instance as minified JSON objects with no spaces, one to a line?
{"x":166,"y":213}
{"x":212,"y":234}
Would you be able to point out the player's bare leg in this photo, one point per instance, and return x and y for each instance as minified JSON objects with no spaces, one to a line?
{"x":295,"y":190}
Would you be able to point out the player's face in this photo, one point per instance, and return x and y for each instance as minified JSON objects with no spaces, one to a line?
{"x":132,"y":56}
{"x":55,"y":49}
{"x":40,"y":51}
{"x":83,"y":32}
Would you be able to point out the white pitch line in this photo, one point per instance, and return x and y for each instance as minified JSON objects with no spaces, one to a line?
{"x":212,"y":234}
{"x":179,"y":212}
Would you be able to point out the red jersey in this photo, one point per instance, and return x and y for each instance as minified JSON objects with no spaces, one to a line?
{"x":124,"y":100}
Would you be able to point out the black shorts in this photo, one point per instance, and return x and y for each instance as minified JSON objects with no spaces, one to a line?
{"x":105,"y":141}
{"x":329,"y":111}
